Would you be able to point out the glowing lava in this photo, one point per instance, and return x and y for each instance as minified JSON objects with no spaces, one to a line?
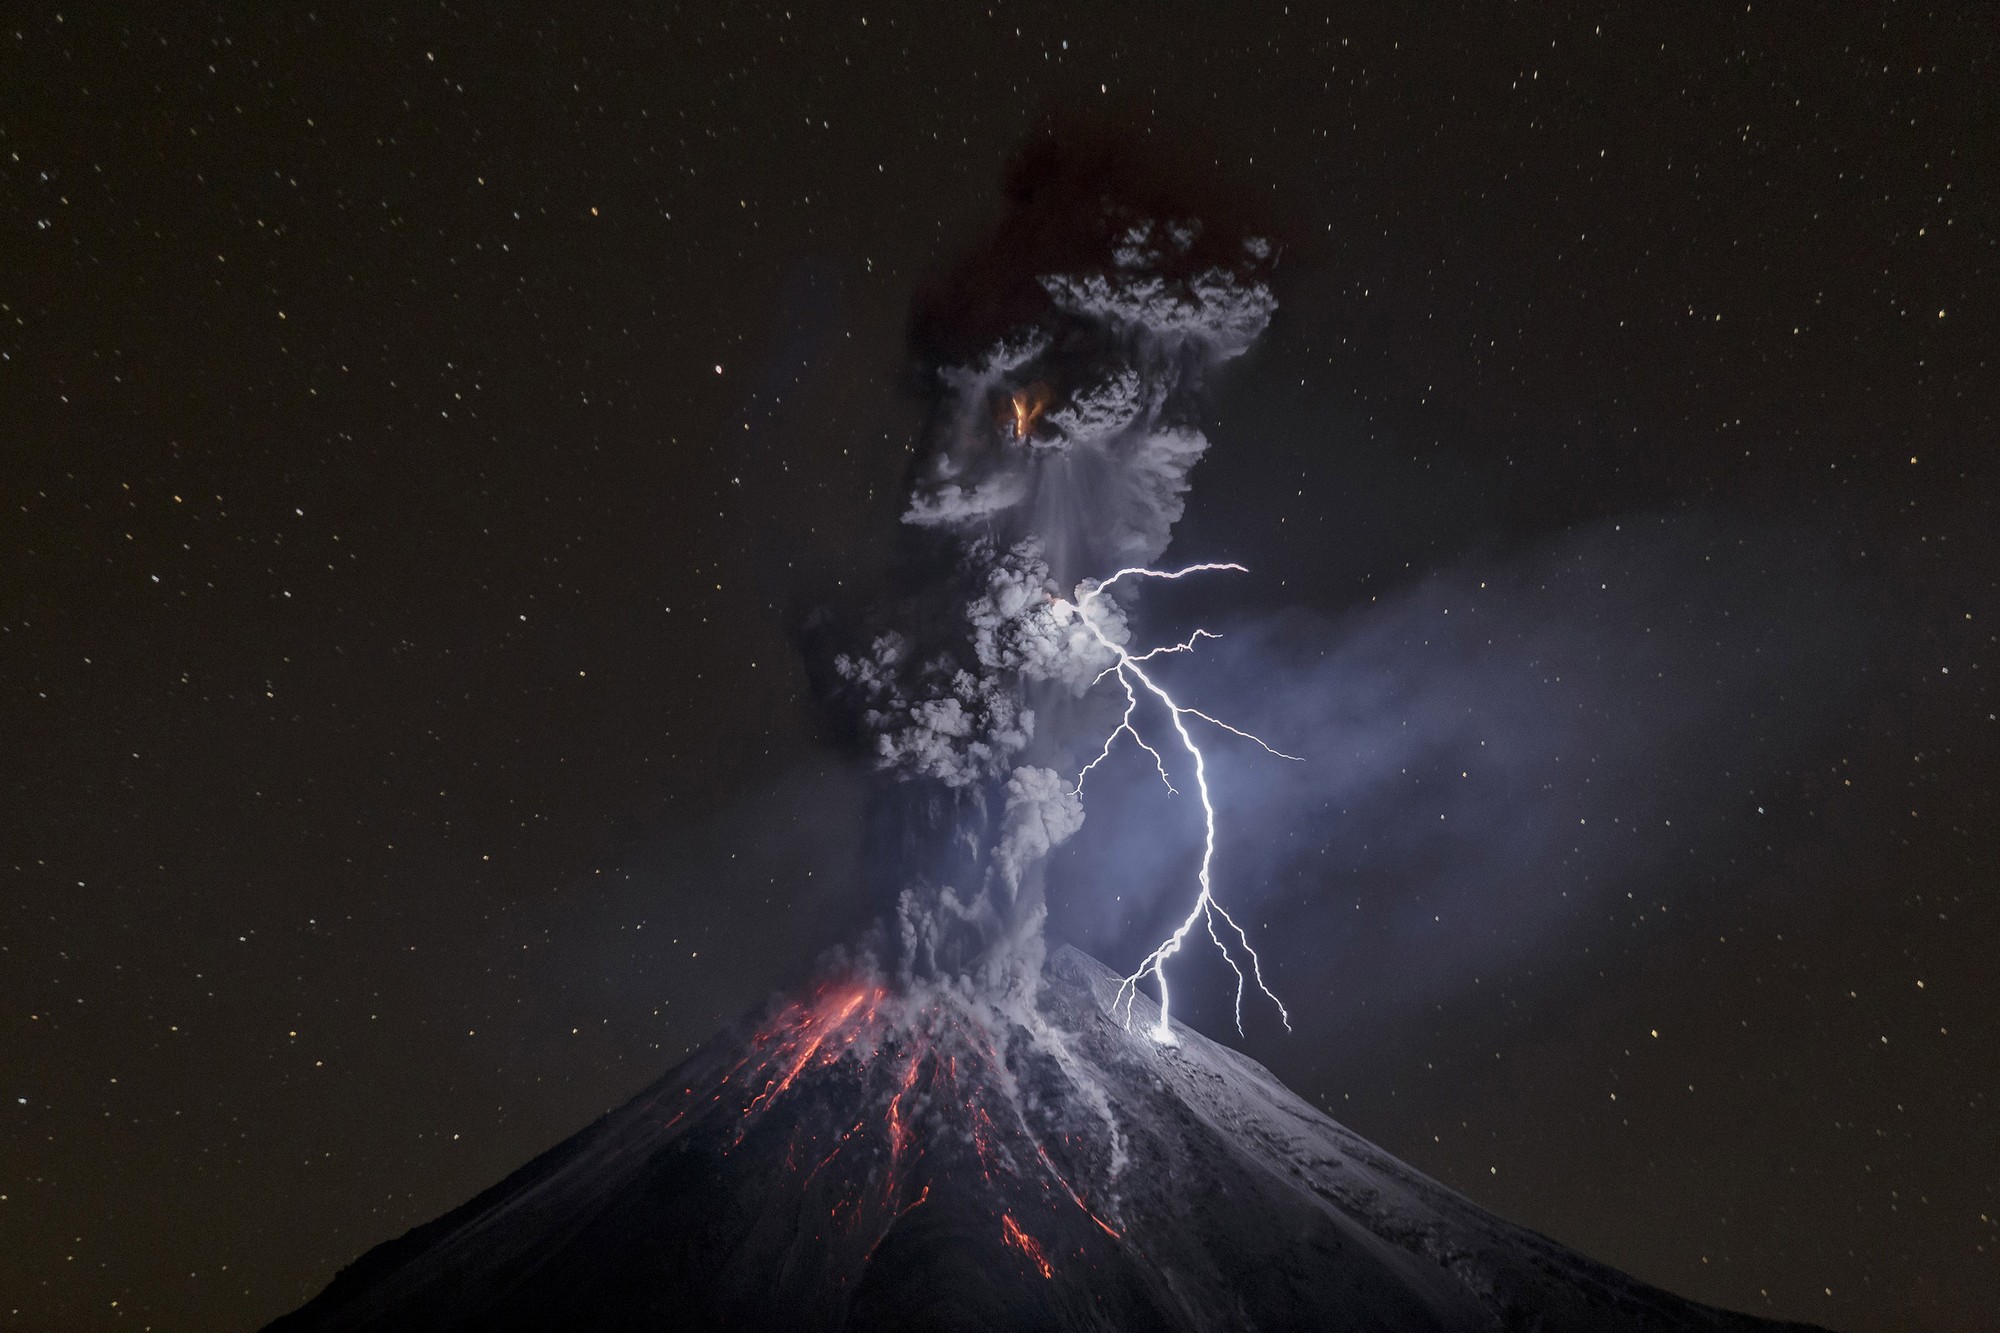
{"x":1012,"y":1235}
{"x":931,"y":1066}
{"x":1206,"y":909}
{"x":1027,"y":406}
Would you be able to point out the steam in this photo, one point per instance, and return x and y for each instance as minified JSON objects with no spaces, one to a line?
{"x":1060,"y":440}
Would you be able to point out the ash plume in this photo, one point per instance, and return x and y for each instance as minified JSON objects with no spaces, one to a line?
{"x":1062,"y":364}
{"x":952,"y":1127}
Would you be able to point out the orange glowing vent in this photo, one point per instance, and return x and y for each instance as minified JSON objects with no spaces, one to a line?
{"x":1027,"y":406}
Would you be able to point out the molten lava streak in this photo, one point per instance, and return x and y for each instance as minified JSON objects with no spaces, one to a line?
{"x":1011,"y":1233}
{"x":933,"y":1079}
{"x":1027,"y":405}
{"x":811,"y":1034}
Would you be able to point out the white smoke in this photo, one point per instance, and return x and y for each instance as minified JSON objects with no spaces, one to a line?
{"x":932,"y":720}
{"x":1214,"y":308}
{"x":1098,"y":411}
{"x":948,"y":501}
{"x":1042,"y":811}
{"x":1024,"y":623}
{"x":1058,"y":451}
{"x":1104,"y":469}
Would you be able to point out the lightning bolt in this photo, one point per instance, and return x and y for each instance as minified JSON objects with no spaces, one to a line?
{"x":1133,"y":679}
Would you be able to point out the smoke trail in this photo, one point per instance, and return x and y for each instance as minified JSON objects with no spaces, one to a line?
{"x":1063,"y":364}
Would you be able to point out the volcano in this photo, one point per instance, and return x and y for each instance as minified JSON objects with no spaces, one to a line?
{"x":889,"y":1158}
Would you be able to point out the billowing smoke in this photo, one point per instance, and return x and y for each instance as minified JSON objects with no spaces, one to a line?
{"x":1094,"y":479}
{"x":1063,"y":365}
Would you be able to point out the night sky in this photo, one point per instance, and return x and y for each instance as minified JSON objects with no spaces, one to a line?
{"x":425,"y":431}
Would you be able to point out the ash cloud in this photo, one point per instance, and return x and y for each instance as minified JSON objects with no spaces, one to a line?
{"x":1062,"y":364}
{"x":1120,"y":352}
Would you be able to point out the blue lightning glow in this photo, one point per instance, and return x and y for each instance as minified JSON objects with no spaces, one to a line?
{"x":1133,"y":678}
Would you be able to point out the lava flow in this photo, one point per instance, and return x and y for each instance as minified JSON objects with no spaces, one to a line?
{"x":1011,"y":1232}
{"x":931,"y":1069}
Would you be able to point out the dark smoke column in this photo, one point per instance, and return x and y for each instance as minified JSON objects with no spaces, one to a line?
{"x":1065,"y":362}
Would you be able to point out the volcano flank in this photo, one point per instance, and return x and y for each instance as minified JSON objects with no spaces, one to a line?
{"x":869,"y":1157}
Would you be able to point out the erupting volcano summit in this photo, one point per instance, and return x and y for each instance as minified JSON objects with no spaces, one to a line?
{"x":951,"y":1130}
{"x":868,"y":1159}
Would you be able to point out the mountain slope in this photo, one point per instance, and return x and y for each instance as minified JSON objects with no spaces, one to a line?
{"x":869,"y":1159}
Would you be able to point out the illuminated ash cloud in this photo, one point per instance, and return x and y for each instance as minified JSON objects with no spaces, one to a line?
{"x":1023,"y":623}
{"x":931,"y":718}
{"x":1063,"y":365}
{"x":958,"y":714}
{"x":1077,"y":428}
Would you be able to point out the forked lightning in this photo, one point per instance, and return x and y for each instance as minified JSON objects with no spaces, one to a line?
{"x":1133,"y":678}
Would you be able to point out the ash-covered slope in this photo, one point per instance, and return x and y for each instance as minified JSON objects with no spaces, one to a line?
{"x":872,"y":1160}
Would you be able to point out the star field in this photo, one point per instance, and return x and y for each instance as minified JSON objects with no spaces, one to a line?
{"x":428,"y":430}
